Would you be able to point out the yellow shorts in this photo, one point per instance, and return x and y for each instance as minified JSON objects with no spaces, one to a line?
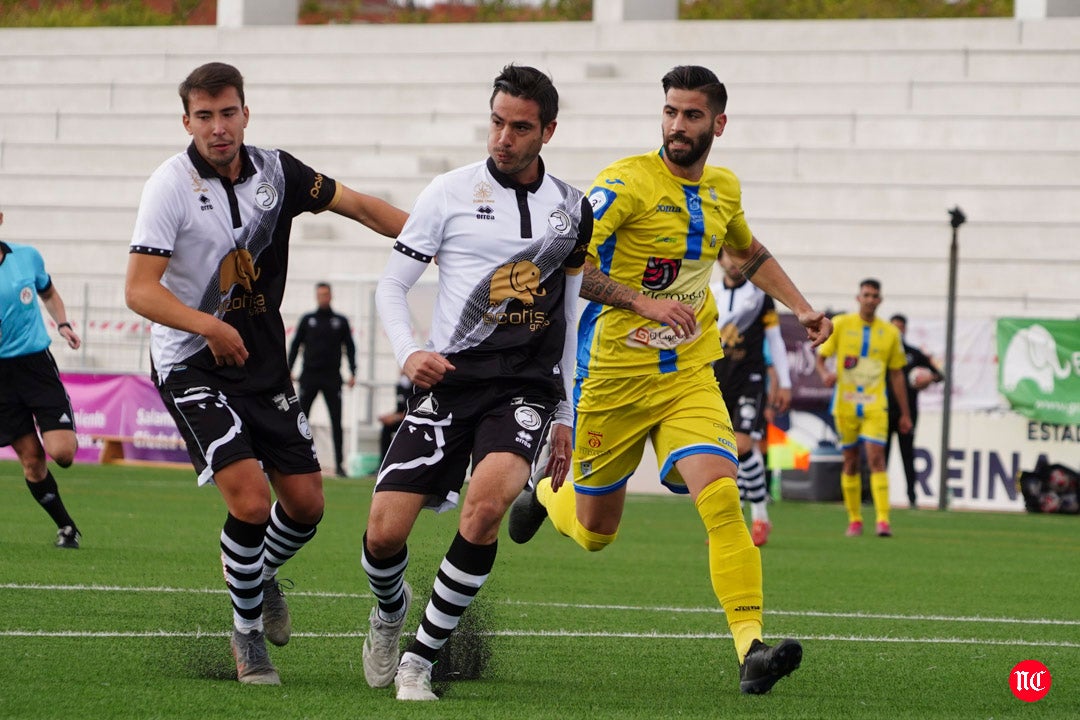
{"x":873,"y":427}
{"x":683,"y":413}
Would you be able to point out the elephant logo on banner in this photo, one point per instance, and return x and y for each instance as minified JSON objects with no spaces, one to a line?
{"x":519,"y":280}
{"x":1032,"y":355}
{"x":238,"y":268}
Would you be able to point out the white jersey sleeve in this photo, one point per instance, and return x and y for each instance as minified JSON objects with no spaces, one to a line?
{"x":161,"y":212}
{"x":391,"y":294}
{"x":778,"y":351}
{"x":564,"y":413}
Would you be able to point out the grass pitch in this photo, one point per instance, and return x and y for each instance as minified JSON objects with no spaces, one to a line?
{"x":927,"y":624}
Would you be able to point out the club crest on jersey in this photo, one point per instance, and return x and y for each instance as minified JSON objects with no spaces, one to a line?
{"x":660,"y":273}
{"x":266,"y":196}
{"x":527,"y":418}
{"x":519,"y":280}
{"x":26,"y":295}
{"x":559,"y":221}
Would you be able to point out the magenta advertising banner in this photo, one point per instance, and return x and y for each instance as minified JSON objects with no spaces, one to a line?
{"x":121,"y":406}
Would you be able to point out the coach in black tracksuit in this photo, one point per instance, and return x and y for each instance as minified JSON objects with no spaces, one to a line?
{"x":915,"y":358}
{"x":323,"y":334}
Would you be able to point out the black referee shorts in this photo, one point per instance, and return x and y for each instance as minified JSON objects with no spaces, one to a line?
{"x":30,"y":389}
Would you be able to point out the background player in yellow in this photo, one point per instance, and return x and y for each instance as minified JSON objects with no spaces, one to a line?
{"x":646,"y":344}
{"x":868,"y":354}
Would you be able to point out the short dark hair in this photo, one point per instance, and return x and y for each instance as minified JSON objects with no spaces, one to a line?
{"x":699,"y":79}
{"x":876,"y":284}
{"x":322,"y":285}
{"x":212,"y":78}
{"x":898,"y":316}
{"x":522,"y":81}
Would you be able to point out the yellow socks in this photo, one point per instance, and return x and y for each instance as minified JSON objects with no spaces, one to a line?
{"x":879,"y":489}
{"x":562,"y":511}
{"x":851,"y":485}
{"x":734,"y":562}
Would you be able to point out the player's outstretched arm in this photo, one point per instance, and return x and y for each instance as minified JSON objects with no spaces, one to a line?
{"x":765,"y":271}
{"x":375,"y":213}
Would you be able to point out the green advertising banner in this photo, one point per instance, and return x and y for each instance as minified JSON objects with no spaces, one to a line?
{"x":1039,"y":367}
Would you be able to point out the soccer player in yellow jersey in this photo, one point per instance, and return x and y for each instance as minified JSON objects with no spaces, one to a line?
{"x":869,"y":353}
{"x":646,"y":344}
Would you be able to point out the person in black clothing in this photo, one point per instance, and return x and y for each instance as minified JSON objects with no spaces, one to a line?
{"x":915,"y":358}
{"x":323,"y":334}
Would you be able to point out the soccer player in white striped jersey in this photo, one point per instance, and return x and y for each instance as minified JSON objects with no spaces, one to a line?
{"x":207,"y":265}
{"x":492,"y":379}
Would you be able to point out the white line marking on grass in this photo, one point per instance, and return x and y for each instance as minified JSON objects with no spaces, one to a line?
{"x":808,"y":613}
{"x":572,"y":606}
{"x":553,"y":634}
{"x":164,"y":589}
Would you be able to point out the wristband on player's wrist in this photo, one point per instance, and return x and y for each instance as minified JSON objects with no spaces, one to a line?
{"x":62,"y":325}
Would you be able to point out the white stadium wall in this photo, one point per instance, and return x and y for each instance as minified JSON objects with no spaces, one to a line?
{"x":852,"y":139}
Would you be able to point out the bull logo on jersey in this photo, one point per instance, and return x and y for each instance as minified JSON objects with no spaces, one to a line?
{"x":660,"y":273}
{"x":238,"y":268}
{"x":519,"y":280}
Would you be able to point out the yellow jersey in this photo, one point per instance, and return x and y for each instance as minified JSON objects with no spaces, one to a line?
{"x":660,"y":234}
{"x":865,"y":352}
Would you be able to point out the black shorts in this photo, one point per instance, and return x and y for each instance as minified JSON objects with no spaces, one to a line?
{"x":744,"y":395}
{"x":222,"y":428}
{"x":445,"y":428}
{"x":30,"y":389}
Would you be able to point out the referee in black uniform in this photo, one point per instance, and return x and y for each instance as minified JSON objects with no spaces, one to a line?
{"x":323,"y":334}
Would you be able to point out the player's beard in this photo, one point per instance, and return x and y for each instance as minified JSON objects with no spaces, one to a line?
{"x":699,"y":147}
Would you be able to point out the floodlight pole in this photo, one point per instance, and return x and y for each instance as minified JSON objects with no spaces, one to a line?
{"x":957,"y":219}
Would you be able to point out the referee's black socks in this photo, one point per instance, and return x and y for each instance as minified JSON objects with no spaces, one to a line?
{"x":48,"y":497}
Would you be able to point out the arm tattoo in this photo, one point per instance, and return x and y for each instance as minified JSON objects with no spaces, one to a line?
{"x":755,"y":262}
{"x":598,"y":287}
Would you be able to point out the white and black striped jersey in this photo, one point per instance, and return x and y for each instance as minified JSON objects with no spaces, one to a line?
{"x":746,"y":313}
{"x":228,"y":250}
{"x":504,"y":252}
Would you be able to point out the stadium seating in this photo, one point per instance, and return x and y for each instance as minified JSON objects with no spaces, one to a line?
{"x":852,"y":139}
